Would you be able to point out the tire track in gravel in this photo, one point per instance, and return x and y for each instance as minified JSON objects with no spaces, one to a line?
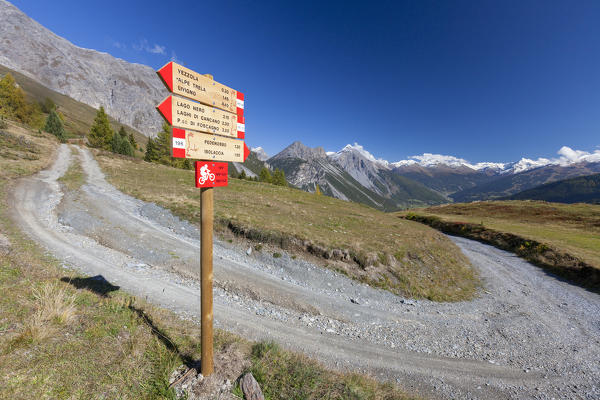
{"x":528,"y":335}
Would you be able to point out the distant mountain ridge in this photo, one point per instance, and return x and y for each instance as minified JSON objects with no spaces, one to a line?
{"x":582,"y":189}
{"x":512,"y":184}
{"x":431,"y":179}
{"x":350,"y":175}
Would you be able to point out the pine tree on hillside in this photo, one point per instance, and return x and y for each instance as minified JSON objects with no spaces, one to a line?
{"x":14,"y":105}
{"x":279,"y":178}
{"x":265,"y":175}
{"x":101,"y":134}
{"x":115,"y":143}
{"x":132,"y":141}
{"x":163,"y":145}
{"x":124,"y":144}
{"x":151,"y":155}
{"x":8,"y":93}
{"x":54,"y":126}
{"x":47,"y":105}
{"x":242,"y":175}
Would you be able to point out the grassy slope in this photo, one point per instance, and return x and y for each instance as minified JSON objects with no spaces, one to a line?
{"x":584,"y":189}
{"x":573,"y":228}
{"x":402,"y":256}
{"x":65,"y":336}
{"x":78,"y":116}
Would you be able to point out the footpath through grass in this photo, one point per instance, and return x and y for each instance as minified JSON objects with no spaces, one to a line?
{"x":67,"y":336}
{"x":371,"y":246}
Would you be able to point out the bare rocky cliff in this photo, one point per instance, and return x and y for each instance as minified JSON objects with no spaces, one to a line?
{"x":129,"y":92}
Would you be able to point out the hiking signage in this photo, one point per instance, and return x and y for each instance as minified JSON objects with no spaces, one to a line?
{"x":187,"y":114}
{"x":211,"y":174}
{"x":207,"y":127}
{"x":187,"y":83}
{"x":200,"y":146}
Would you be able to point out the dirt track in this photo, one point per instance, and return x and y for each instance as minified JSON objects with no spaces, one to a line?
{"x":528,"y":335}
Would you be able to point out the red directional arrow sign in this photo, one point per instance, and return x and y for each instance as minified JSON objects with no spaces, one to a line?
{"x":185,"y":82}
{"x":187,"y":114}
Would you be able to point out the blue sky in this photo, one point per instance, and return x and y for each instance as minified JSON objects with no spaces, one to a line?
{"x":481,"y":80}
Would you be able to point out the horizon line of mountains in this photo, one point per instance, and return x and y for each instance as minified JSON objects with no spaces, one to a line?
{"x":354,"y":174}
{"x":129,"y":93}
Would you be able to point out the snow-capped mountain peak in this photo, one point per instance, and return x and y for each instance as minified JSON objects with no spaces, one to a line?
{"x":434,"y":160}
{"x":357,"y":148}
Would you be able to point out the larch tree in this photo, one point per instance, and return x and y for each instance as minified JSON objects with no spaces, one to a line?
{"x":101,"y":134}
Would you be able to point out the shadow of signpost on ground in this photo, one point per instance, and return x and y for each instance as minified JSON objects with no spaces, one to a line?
{"x":99,"y":285}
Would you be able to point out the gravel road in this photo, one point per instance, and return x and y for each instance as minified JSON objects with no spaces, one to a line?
{"x":528,"y":335}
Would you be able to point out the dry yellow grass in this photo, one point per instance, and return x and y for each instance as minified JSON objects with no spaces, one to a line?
{"x":53,"y":306}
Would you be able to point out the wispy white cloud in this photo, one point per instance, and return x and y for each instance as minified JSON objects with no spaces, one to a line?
{"x":569,"y":156}
{"x":144,"y":45}
{"x":119,"y":45}
{"x":174,"y":57}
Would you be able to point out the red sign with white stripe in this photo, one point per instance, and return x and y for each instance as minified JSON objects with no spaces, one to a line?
{"x":240,"y":103}
{"x":187,"y":114}
{"x":211,"y":174}
{"x":200,"y":146}
{"x":187,"y":83}
{"x":179,"y":143}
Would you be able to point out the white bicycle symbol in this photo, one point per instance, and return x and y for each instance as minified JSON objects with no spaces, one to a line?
{"x":205,"y":175}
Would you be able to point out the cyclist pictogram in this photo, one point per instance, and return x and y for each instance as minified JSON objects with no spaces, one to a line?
{"x":205,"y":175}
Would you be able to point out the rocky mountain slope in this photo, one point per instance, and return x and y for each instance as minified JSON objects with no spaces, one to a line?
{"x":349,"y":175}
{"x":128,"y":92}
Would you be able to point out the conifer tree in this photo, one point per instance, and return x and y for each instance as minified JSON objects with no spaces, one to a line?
{"x":150,"y":155}
{"x":124,"y":147}
{"x":14,"y":105}
{"x":163,"y":145}
{"x":242,"y":175}
{"x":279,"y":178}
{"x":47,"y":105}
{"x":265,"y":175}
{"x":101,"y":134}
{"x":54,"y":126}
{"x":115,"y":143}
{"x":132,"y":141}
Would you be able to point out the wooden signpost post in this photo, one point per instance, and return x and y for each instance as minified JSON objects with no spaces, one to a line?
{"x":210,"y":131}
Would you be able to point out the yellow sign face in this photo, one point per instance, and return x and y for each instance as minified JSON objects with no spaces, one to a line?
{"x":187,"y":83}
{"x":187,"y":114}
{"x":217,"y":148}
